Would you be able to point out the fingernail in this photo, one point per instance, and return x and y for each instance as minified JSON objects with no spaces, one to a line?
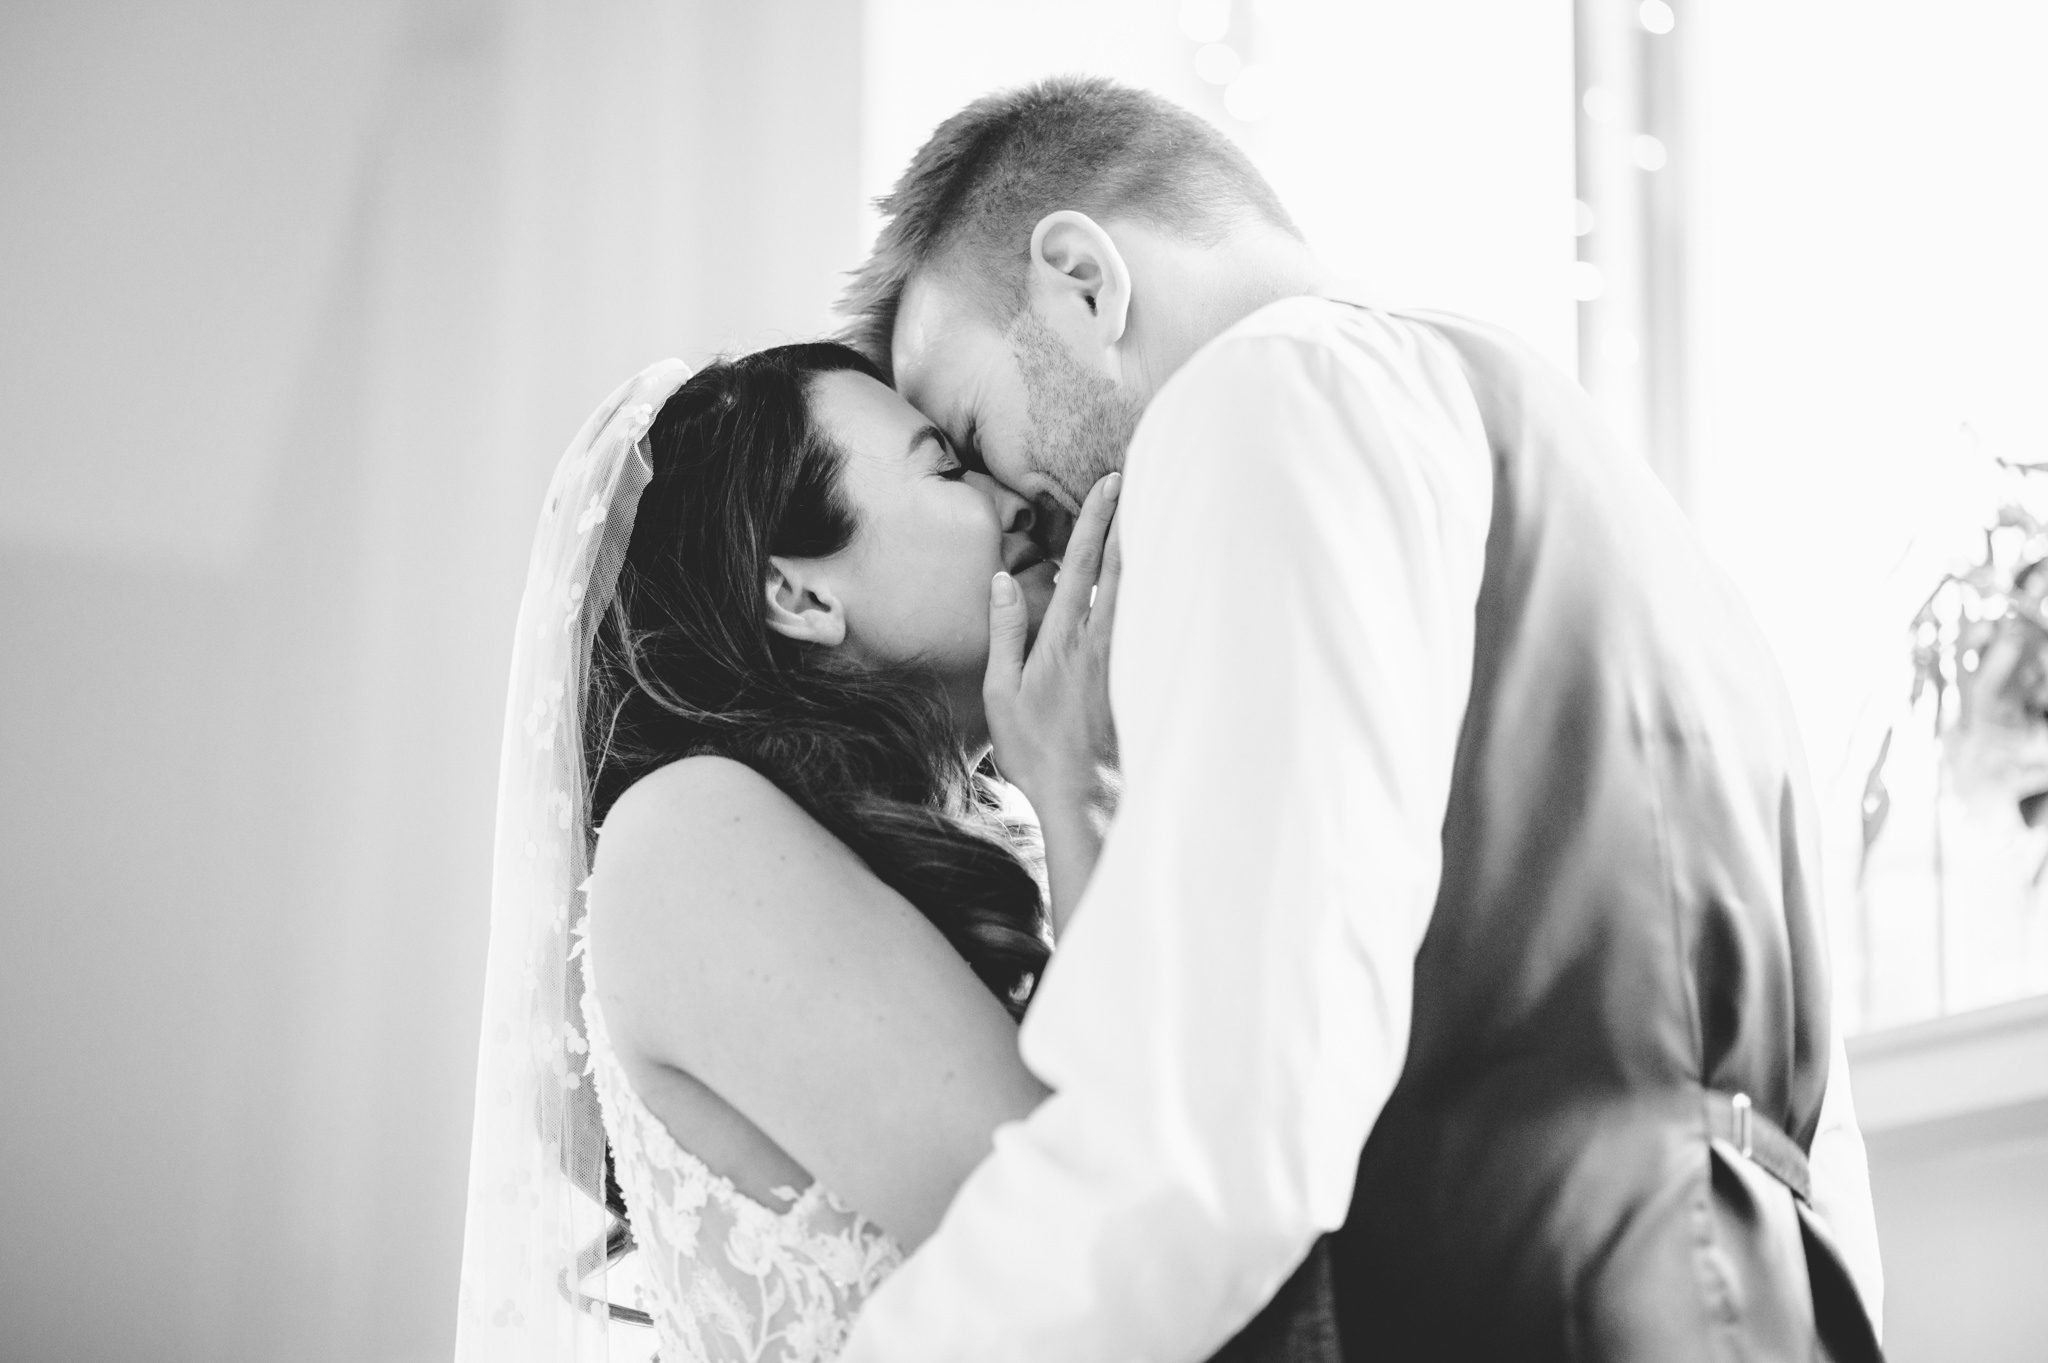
{"x":1112,"y":485}
{"x":1005,"y":589}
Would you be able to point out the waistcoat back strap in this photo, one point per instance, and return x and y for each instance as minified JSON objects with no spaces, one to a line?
{"x":1733,"y":1118}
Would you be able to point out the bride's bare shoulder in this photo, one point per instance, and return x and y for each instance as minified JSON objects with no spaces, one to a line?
{"x":717,"y":903}
{"x":707,"y":853}
{"x":694,"y":785}
{"x":705,"y":816}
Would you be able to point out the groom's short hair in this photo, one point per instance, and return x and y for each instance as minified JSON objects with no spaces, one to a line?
{"x":973,"y":193}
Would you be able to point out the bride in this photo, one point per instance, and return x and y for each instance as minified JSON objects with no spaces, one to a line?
{"x":772,"y":625}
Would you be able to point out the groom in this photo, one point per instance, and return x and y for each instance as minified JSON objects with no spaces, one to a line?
{"x":1451,"y":984}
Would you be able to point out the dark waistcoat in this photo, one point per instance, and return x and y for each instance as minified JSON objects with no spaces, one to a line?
{"x":1627,"y":935}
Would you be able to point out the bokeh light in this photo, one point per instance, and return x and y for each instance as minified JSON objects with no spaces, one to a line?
{"x":1218,"y":63}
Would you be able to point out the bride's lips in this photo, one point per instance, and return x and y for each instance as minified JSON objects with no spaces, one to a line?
{"x":1035,"y":575}
{"x":1027,"y":558}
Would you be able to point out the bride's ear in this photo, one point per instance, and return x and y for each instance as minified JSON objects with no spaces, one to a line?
{"x":1078,"y":275}
{"x":800,"y":604}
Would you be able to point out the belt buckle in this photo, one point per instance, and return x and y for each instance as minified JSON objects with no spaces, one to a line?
{"x":1741,"y":1105}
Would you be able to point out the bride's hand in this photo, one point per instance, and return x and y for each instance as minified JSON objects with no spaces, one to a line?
{"x":1048,"y":713}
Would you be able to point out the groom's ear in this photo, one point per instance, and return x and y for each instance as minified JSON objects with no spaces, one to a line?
{"x":800,"y":604}
{"x":1078,"y":277}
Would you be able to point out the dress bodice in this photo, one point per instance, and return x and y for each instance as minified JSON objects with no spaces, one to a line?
{"x":731,"y":1278}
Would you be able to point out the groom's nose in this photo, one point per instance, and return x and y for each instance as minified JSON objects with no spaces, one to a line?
{"x":1017,"y":514}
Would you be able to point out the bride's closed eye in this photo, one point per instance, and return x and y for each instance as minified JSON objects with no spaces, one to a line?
{"x":948,"y":465}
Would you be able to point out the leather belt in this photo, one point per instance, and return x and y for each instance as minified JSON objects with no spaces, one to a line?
{"x":1734,"y":1119}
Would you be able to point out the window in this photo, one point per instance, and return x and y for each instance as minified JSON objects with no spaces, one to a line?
{"x":1813,"y":273}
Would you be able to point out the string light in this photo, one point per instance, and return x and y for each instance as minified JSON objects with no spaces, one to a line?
{"x":1657,"y":16}
{"x":1648,"y":152}
{"x":1601,"y":104}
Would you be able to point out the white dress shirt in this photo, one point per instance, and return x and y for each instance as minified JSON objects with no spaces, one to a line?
{"x":1304,"y":522}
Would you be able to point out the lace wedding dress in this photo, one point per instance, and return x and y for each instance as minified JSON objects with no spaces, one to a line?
{"x":731,"y":1278}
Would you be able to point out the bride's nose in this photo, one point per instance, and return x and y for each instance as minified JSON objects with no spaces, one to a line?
{"x":1013,"y":512}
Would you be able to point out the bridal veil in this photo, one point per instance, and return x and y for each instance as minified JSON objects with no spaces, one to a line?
{"x":539,"y":1236}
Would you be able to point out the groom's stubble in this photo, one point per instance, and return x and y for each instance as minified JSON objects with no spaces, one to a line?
{"x":1080,"y":421}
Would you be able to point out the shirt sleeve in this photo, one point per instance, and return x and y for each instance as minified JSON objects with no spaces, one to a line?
{"x":1841,"y":1185}
{"x":1304,"y":521}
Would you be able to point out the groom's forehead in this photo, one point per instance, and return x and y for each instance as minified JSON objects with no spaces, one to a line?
{"x":943,"y":350}
{"x":935,"y":315}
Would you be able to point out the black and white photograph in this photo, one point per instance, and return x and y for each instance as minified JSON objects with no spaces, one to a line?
{"x":1023,"y":681}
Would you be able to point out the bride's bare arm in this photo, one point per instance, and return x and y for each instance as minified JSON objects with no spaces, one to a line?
{"x":744,"y":945}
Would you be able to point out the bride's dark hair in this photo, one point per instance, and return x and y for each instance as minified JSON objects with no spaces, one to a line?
{"x":684,"y":663}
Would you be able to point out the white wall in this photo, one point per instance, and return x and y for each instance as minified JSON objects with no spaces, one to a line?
{"x":301,"y":304}
{"x":1955,"y":1113}
{"x":1963,"y":1214}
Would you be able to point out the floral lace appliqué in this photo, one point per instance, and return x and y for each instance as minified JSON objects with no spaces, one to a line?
{"x":732,"y":1278}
